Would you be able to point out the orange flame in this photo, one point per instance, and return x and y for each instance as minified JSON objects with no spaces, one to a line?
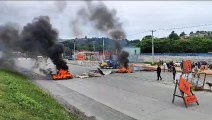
{"x":125,"y":70}
{"x":62,"y":74}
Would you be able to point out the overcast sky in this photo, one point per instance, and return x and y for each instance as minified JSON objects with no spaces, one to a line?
{"x":136,"y":16}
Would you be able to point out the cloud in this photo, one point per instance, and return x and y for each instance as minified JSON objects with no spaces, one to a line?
{"x":136,"y":16}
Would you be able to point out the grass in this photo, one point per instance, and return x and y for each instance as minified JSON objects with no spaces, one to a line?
{"x":20,"y":99}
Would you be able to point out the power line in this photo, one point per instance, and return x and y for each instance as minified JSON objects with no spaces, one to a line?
{"x":185,"y":27}
{"x":167,"y":29}
{"x":139,"y":33}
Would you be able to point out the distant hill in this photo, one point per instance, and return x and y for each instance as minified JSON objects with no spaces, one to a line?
{"x":87,"y":43}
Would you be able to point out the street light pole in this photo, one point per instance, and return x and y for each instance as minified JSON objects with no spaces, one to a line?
{"x":94,"y":46}
{"x":153,"y":46}
{"x":103,"y":44}
{"x":74,"y":51}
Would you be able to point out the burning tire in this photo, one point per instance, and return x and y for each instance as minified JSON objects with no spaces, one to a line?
{"x":62,"y":74}
{"x":124,"y":70}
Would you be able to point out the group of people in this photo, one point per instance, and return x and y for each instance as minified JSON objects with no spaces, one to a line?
{"x":171,"y":68}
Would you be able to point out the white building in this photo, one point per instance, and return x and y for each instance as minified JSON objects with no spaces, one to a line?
{"x":134,"y":53}
{"x":133,"y":50}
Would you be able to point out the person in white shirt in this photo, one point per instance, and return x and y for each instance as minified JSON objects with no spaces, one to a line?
{"x":164,"y":66}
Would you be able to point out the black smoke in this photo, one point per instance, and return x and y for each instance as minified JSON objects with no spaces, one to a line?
{"x":39,"y":37}
{"x":36,"y":38}
{"x":75,"y":28}
{"x":123,"y":59}
{"x":103,"y":20}
{"x":61,"y":5}
{"x":9,"y":37}
{"x":55,"y":54}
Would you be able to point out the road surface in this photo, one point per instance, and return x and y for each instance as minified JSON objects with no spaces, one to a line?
{"x":126,"y":96}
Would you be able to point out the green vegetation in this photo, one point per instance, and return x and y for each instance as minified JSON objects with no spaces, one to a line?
{"x":20,"y":99}
{"x":195,"y":42}
{"x":175,"y":44}
{"x":97,"y":43}
{"x":88,"y":44}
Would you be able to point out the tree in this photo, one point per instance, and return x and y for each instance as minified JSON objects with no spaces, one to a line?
{"x":182,"y":34}
{"x":191,"y":33}
{"x":145,"y":45}
{"x":134,"y":42}
{"x":174,"y":36}
{"x":191,"y":45}
{"x":161,"y":46}
{"x":147,"y":37}
{"x":69,"y":44}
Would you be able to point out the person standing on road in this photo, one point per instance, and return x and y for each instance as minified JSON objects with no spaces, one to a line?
{"x":159,"y":73}
{"x":171,"y":64}
{"x":168,"y":67}
{"x":195,"y":70}
{"x":181,"y":65}
{"x":164,"y":66}
{"x":174,"y":72}
{"x":199,"y":65}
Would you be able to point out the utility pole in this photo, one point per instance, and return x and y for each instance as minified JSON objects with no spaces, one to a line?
{"x":103,"y":44}
{"x":94,"y":46}
{"x":74,"y":51}
{"x":153,"y":46}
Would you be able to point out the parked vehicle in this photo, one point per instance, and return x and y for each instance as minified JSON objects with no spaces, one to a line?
{"x":203,"y":63}
{"x":68,"y":57}
{"x":178,"y":63}
{"x":109,"y":64}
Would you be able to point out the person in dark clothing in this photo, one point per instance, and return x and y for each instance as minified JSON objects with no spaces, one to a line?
{"x":193,"y":65}
{"x":199,"y":65}
{"x":159,"y":72}
{"x":168,"y":67}
{"x":174,"y":72}
{"x":181,"y":65}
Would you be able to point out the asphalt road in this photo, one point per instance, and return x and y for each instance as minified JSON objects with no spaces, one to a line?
{"x":126,"y":96}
